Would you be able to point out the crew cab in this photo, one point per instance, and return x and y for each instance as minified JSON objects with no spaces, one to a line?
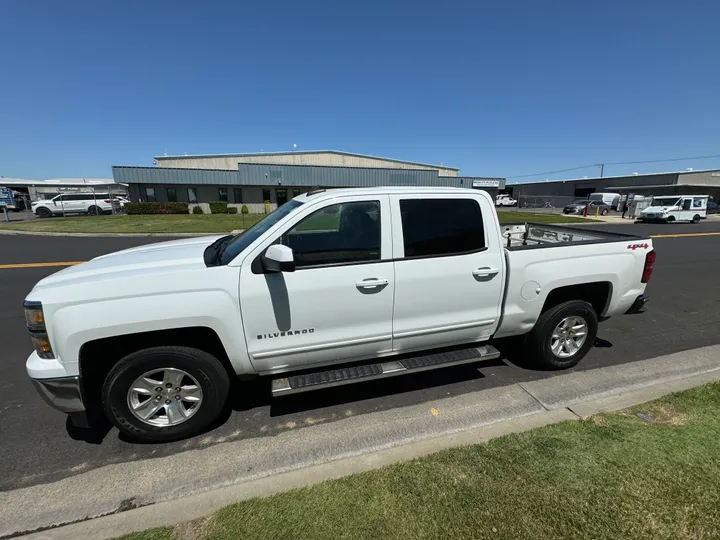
{"x":333,"y":287}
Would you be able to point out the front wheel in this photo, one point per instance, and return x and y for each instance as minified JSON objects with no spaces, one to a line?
{"x":44,"y":212}
{"x":564,"y":334}
{"x":165,"y":393}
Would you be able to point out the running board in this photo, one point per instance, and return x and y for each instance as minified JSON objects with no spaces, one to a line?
{"x":367,"y":372}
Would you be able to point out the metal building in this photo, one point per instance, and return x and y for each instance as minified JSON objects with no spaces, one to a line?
{"x":273,"y":179}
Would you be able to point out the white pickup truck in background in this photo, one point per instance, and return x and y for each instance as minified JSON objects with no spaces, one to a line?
{"x":333,"y":287}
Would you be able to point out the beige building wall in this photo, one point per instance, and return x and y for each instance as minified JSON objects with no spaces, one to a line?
{"x":322,"y":159}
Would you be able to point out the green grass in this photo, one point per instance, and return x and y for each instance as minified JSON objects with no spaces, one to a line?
{"x":610,"y":476}
{"x":217,"y":223}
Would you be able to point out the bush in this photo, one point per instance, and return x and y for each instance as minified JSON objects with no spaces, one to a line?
{"x":232,"y":210}
{"x":198,"y":210}
{"x":218,"y":207}
{"x":244,"y":209}
{"x":156,"y":208}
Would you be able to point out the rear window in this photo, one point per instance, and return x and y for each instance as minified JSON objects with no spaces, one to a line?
{"x":441,"y":227}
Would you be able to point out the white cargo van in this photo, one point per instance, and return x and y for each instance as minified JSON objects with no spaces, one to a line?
{"x":673,"y":208}
{"x":608,"y":198}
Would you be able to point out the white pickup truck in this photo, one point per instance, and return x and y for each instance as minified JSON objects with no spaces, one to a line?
{"x":334,"y":287}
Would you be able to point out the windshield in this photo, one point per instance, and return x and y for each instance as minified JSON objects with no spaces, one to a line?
{"x":247,"y":237}
{"x":665,"y":201}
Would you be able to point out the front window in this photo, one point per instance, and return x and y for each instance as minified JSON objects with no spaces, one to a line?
{"x":172,"y":194}
{"x":150,"y":194}
{"x":337,"y":234}
{"x":222,"y":194}
{"x":665,"y":201}
{"x":237,"y":193}
{"x":266,"y":195}
{"x":243,"y":240}
{"x":192,"y":195}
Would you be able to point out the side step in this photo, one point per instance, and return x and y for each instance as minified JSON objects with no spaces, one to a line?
{"x":367,"y":372}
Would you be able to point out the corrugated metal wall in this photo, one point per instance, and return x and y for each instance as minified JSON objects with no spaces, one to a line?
{"x":325,"y":159}
{"x":288,"y":175}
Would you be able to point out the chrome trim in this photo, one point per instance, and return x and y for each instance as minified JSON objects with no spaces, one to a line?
{"x":320,"y":347}
{"x":63,"y":393}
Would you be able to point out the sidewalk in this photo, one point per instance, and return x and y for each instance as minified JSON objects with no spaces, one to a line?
{"x":192,"y":484}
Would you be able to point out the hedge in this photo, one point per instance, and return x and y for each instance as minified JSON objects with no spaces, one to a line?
{"x":156,"y":208}
{"x":232,"y":210}
{"x":219,"y":207}
{"x":244,"y":209}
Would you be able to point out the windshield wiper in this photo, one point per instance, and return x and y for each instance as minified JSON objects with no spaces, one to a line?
{"x":214,"y":252}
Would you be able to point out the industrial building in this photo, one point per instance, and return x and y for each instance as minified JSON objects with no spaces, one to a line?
{"x":276,"y":177}
{"x":687,"y":182}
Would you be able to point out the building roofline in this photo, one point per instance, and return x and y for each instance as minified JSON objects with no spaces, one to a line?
{"x":308,"y":152}
{"x":590,"y":178}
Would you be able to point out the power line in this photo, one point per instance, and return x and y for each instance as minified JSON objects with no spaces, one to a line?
{"x":614,"y":163}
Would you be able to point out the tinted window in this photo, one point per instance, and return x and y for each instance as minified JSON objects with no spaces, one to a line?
{"x":149,"y":194}
{"x":192,"y":194}
{"x":341,"y":233}
{"x":172,"y":194}
{"x":441,"y":226}
{"x":266,"y":195}
{"x":222,"y":194}
{"x":237,"y":193}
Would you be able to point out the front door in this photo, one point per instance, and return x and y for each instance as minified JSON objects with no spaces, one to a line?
{"x":337,"y":305}
{"x":449,"y":270}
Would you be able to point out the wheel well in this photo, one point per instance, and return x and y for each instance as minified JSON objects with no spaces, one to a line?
{"x":596,"y":294}
{"x":99,"y":356}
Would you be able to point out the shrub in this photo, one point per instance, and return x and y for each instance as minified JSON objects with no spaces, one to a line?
{"x":218,"y":207}
{"x":232,"y":210}
{"x":244,"y":209}
{"x":156,"y":208}
{"x":198,"y":210}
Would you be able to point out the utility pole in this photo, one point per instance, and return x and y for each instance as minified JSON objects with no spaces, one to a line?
{"x":602,"y":169}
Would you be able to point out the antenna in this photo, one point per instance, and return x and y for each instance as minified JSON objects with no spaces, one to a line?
{"x":294,"y":147}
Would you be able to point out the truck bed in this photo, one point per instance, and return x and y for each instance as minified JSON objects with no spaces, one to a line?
{"x":518,"y":236}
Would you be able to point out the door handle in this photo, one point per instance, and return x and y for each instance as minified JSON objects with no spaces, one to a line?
{"x":485,"y":272}
{"x":371,"y":283}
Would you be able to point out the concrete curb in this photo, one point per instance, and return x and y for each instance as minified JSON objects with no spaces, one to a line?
{"x":238,"y":470}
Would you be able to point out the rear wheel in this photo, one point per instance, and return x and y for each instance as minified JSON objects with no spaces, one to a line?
{"x":95,"y":211}
{"x":604,"y":212}
{"x":696,"y":218}
{"x":165,"y":393}
{"x":564,"y":334}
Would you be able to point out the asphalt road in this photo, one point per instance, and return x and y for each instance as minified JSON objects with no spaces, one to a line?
{"x":37,"y":445}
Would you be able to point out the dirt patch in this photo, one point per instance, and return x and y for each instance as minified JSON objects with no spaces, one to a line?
{"x":661,"y":414}
{"x":595,"y":419}
{"x":191,"y":530}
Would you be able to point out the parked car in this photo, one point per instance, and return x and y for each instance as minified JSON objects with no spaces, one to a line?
{"x":713,"y":207}
{"x":334,"y":287}
{"x":578,"y":207}
{"x":505,"y":200}
{"x":75,"y":203}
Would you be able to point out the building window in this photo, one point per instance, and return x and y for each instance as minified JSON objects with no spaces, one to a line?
{"x":222,"y":194}
{"x":266,"y":195}
{"x":437,"y":227}
{"x":150,"y":194}
{"x":192,"y":195}
{"x":338,"y":234}
{"x":172,"y":194}
{"x":237,"y":193}
{"x":296,"y":193}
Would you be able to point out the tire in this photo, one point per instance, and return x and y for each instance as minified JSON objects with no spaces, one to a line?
{"x":95,"y":211}
{"x":43,"y":212}
{"x":200,"y":369}
{"x":671,"y":219}
{"x":540,"y":339}
{"x":604,"y":213}
{"x":696,"y":218}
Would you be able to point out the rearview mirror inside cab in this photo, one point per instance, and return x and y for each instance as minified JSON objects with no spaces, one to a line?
{"x":278,"y":258}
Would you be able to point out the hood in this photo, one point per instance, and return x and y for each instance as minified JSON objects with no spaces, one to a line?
{"x":657,"y":209}
{"x":162,"y":257}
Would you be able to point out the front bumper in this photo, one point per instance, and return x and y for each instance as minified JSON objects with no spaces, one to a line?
{"x":62,"y":393}
{"x":639,"y":305}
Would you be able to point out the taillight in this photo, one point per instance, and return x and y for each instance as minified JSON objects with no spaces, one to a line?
{"x":648,"y":268}
{"x":107,"y":201}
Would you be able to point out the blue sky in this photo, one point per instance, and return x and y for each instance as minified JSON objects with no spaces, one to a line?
{"x":494,"y":88}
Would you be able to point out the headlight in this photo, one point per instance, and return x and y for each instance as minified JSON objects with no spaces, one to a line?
{"x":35,"y":319}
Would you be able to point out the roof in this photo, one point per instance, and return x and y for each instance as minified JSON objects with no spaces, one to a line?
{"x":383,"y":190}
{"x":195,"y":156}
{"x":56,"y":182}
{"x":591,"y":178}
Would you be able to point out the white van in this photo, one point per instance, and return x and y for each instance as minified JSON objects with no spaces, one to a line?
{"x":674,"y":208}
{"x":608,"y":198}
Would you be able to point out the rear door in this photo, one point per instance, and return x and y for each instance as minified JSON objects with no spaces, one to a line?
{"x":449,"y":270}
{"x":337,"y":305}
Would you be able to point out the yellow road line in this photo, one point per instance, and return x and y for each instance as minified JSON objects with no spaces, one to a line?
{"x":684,"y":234}
{"x":39,"y":265}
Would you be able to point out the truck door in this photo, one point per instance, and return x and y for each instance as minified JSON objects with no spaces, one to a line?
{"x":449,"y":270}
{"x":337,"y":305}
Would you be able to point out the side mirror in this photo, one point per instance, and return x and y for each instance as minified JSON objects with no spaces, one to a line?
{"x":278,"y":258}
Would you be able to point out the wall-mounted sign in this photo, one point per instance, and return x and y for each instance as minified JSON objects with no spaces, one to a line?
{"x":486,"y":183}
